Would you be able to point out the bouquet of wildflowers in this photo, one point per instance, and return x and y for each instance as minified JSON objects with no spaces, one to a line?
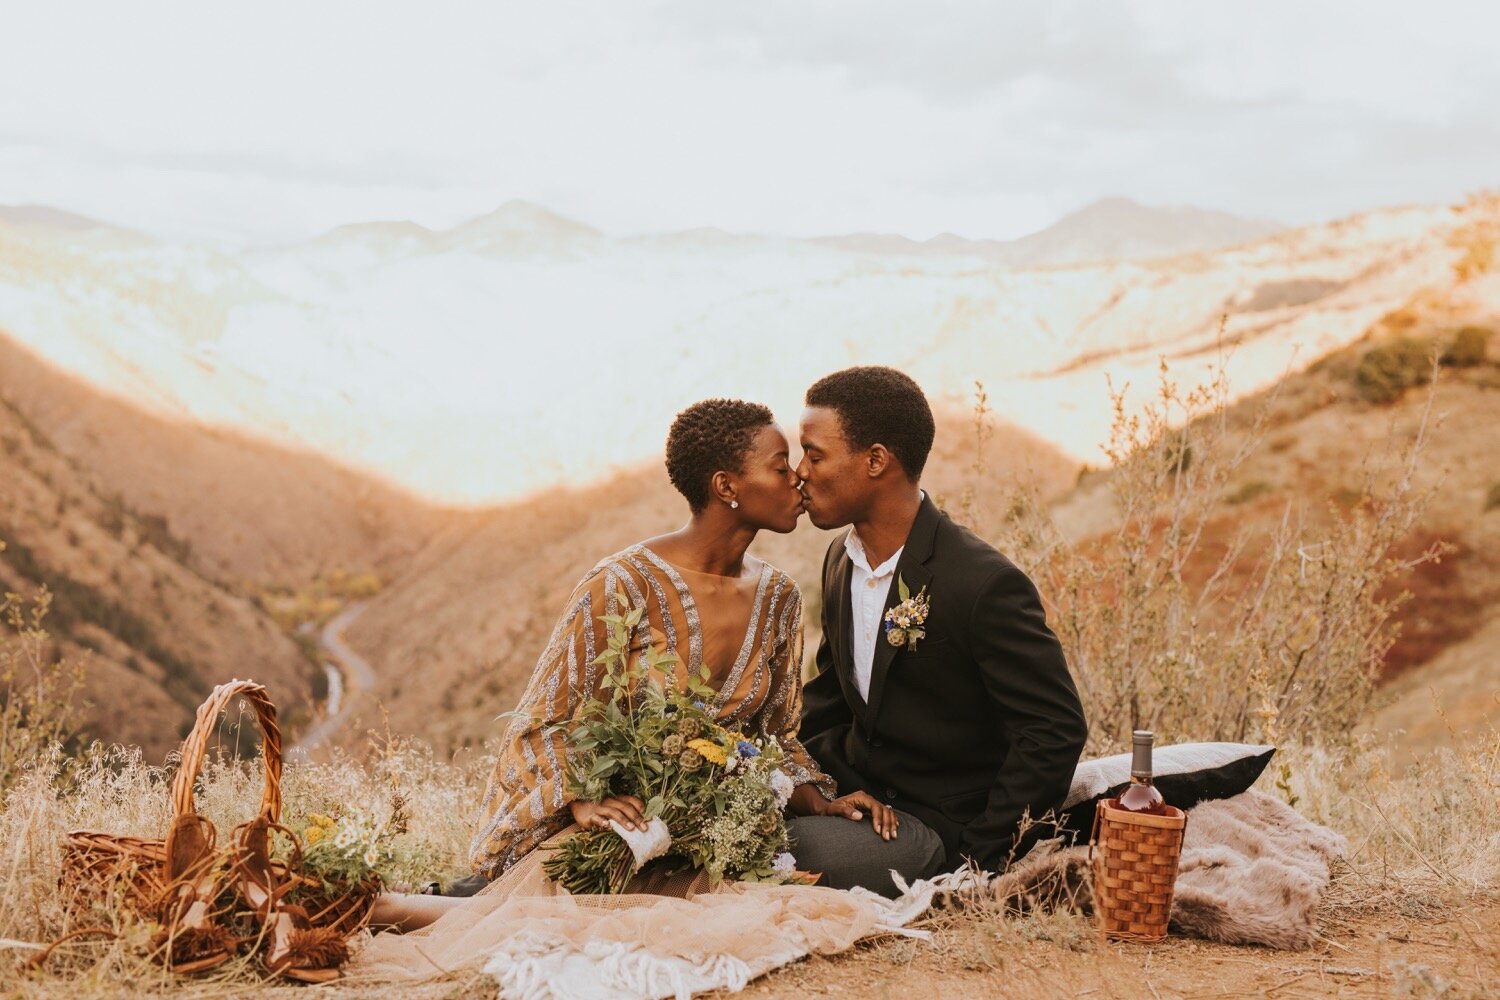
{"x":718,"y":794}
{"x":347,"y":847}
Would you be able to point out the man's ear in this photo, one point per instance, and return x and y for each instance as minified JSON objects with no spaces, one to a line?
{"x":878,"y":460}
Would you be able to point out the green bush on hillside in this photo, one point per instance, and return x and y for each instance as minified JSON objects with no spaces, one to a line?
{"x":1467,"y":348}
{"x":1385,"y":372}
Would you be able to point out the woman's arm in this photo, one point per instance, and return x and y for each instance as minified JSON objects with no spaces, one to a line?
{"x":782,"y":712}
{"x":527,"y":798}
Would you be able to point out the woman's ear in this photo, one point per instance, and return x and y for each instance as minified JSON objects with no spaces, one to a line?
{"x":722,"y":488}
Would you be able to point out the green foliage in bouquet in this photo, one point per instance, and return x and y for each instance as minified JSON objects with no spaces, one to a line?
{"x":720,"y":793}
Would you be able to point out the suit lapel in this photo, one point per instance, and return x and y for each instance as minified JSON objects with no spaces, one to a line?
{"x":912,"y":568}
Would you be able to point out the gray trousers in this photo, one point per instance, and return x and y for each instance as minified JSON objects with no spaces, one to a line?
{"x":850,"y":853}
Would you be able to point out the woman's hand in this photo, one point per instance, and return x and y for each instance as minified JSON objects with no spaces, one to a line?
{"x":627,"y":810}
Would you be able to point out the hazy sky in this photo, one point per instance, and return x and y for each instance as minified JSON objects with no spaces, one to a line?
{"x":272,"y":121}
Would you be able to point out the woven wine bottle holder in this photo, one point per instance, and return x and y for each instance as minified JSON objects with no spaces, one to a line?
{"x":1134,"y":860}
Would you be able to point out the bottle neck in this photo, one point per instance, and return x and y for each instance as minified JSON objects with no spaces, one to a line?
{"x":1140,"y":763}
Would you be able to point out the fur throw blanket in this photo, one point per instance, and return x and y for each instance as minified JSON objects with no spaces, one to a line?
{"x":1252,"y":872}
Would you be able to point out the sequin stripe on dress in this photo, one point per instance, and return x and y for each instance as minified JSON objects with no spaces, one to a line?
{"x":632,"y":558}
{"x":770,"y":645}
{"x":742,"y":660}
{"x":689,"y":609}
{"x":776,"y":640}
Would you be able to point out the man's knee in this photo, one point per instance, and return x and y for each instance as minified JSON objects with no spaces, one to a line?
{"x":924,"y":855}
{"x":849,"y":854}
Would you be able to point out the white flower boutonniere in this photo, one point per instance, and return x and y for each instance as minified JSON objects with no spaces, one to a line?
{"x":904,"y":623}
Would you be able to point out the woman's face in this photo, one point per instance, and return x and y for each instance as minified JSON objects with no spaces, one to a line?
{"x":767,"y":488}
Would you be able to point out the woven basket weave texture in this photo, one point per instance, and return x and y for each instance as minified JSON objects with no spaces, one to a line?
{"x":1134,"y":858}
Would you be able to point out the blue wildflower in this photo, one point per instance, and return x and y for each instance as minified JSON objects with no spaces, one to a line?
{"x":747,"y":749}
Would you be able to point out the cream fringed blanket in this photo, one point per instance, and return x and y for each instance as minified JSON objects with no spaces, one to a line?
{"x":1252,"y":872}
{"x":671,"y":939}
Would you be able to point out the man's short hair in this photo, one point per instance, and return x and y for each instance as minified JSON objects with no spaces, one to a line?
{"x":880,"y":405}
{"x":708,"y":437}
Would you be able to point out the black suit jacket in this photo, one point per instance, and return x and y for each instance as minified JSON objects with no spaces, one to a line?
{"x":977,"y":726}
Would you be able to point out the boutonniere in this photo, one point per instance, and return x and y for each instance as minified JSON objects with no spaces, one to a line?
{"x":904,"y":623}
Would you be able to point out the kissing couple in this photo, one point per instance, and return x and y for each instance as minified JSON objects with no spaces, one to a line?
{"x":912,"y":751}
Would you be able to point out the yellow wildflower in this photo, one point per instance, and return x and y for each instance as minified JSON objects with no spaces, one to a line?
{"x":313,"y":835}
{"x":709,"y":750}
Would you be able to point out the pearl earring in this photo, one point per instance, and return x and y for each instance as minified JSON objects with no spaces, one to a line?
{"x":734,"y":505}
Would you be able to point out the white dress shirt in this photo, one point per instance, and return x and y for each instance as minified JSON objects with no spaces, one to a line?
{"x":868,"y":589}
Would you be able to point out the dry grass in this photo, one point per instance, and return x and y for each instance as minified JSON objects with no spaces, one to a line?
{"x":1422,"y":843}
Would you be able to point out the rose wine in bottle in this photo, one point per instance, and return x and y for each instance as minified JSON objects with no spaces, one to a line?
{"x":1141,"y":796}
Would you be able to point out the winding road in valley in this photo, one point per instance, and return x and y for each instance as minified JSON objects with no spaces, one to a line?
{"x":358,"y":679}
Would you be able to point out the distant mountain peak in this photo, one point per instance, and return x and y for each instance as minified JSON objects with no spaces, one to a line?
{"x":388,"y":228}
{"x":1121,"y":228}
{"x":525,"y":218}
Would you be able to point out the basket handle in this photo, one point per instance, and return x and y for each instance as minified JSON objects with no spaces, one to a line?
{"x":196,"y":745}
{"x":1094,"y":833}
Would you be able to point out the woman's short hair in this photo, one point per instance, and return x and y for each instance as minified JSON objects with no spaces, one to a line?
{"x":881,"y":405}
{"x":711,"y":436}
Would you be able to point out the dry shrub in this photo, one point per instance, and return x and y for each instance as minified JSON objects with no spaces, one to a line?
{"x":1387,"y":371}
{"x":37,"y":691}
{"x":1186,"y":620}
{"x":1467,"y":348}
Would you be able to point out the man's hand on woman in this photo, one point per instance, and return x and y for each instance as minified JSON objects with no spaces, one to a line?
{"x":808,"y":801}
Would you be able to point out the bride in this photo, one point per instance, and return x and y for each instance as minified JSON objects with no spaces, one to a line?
{"x":709,"y":602}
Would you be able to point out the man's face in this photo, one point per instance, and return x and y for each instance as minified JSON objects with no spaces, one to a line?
{"x":835,"y":479}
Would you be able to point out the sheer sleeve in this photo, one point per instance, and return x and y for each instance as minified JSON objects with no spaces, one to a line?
{"x":527,"y":795}
{"x":782,"y":712}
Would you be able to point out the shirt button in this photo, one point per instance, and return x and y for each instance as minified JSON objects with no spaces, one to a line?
{"x":890,"y":793}
{"x":870,"y":584}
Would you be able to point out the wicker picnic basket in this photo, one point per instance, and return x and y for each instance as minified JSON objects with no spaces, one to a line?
{"x":215,"y":901}
{"x":1134,"y":858}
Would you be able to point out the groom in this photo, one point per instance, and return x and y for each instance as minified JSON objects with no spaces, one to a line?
{"x":958,"y":738}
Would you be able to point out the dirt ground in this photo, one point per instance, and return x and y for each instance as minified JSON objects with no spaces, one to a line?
{"x":1425,"y":951}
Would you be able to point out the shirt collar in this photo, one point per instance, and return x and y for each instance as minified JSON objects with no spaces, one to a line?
{"x":856,"y":550}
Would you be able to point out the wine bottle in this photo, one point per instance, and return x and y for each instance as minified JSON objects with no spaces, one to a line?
{"x":1141,"y":796}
